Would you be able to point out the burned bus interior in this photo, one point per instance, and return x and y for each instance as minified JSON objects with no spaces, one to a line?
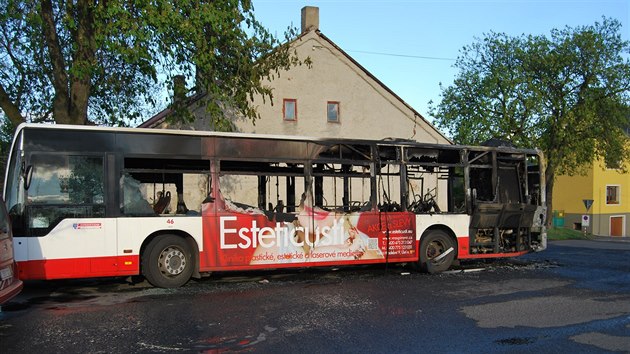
{"x":499,"y":188}
{"x":153,"y":186}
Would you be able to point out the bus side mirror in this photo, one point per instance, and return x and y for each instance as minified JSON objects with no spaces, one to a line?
{"x":28,"y":176}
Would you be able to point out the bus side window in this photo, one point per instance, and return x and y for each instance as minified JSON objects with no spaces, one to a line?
{"x":457,"y":193}
{"x":60,"y":179}
{"x":197,"y":190}
{"x":269,"y":188}
{"x":390,"y":187}
{"x":133,"y":201}
{"x":342,"y":187}
{"x":481,"y":182}
{"x":62,"y":187}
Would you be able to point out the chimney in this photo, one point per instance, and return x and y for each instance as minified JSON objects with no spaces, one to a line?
{"x":179,"y":88}
{"x":310,"y":18}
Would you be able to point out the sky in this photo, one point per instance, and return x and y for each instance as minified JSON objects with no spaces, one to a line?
{"x":417,"y":41}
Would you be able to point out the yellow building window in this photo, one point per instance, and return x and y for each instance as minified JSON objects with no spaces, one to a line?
{"x":612,"y":195}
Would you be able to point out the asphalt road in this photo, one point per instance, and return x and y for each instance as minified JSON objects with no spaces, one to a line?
{"x":572,"y":298}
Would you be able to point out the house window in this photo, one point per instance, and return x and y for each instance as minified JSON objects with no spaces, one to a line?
{"x":289,"y":109}
{"x":612,"y":195}
{"x":333,"y":112}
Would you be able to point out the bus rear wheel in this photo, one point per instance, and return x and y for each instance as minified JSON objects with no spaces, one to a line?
{"x":167,"y":262}
{"x":437,"y":252}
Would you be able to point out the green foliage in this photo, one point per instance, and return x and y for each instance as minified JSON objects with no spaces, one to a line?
{"x":85,"y":183}
{"x":105,"y":62}
{"x":568,"y":94}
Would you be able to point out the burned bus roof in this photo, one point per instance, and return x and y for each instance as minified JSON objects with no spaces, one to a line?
{"x":392,"y":142}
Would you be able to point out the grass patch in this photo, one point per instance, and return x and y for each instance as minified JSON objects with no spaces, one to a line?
{"x":560,"y":233}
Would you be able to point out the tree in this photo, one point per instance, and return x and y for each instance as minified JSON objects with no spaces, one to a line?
{"x":105,"y":62}
{"x":567,"y":94}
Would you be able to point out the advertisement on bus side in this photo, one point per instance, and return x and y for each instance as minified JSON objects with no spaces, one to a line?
{"x":235,"y":237}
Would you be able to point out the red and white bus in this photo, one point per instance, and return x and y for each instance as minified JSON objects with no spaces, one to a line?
{"x":10,"y":284}
{"x":171,"y":205}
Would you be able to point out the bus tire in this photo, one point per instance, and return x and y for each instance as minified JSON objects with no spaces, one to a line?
{"x":167,"y":262}
{"x":433,"y":247}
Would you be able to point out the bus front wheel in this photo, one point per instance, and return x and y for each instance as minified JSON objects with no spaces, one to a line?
{"x":437,"y":252}
{"x":167,"y":262}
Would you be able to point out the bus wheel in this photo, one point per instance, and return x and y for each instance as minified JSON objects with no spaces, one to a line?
{"x":167,"y":262}
{"x":437,"y":252}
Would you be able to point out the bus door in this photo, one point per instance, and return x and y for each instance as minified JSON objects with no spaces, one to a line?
{"x":63,"y":217}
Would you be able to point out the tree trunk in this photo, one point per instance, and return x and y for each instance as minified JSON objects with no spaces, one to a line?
{"x":70,"y":103}
{"x":59,"y":75}
{"x":83,"y":63}
{"x":550,"y":175}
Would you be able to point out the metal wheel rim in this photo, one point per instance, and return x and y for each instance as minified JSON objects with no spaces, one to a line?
{"x":172,"y":261}
{"x":434,"y":249}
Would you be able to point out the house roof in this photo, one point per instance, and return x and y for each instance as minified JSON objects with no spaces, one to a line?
{"x":369,"y":74}
{"x":161,"y":116}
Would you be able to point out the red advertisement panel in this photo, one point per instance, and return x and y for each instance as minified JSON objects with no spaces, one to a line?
{"x":240,"y":237}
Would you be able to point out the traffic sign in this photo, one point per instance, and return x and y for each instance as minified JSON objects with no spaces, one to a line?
{"x":586,"y":220}
{"x":588,"y":203}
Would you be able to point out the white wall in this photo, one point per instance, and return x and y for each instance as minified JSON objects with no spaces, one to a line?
{"x":367,"y":110}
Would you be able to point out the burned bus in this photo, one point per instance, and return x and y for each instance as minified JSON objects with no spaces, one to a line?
{"x":171,"y":205}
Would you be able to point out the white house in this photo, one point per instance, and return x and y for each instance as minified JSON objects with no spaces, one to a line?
{"x":335,"y":97}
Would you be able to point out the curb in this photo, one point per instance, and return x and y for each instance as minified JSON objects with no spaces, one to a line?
{"x":611,"y":239}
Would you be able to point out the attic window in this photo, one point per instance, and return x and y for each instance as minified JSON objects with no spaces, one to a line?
{"x":289,"y":109}
{"x":332,"y":112}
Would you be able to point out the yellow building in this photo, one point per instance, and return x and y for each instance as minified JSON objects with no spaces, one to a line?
{"x":606,"y":193}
